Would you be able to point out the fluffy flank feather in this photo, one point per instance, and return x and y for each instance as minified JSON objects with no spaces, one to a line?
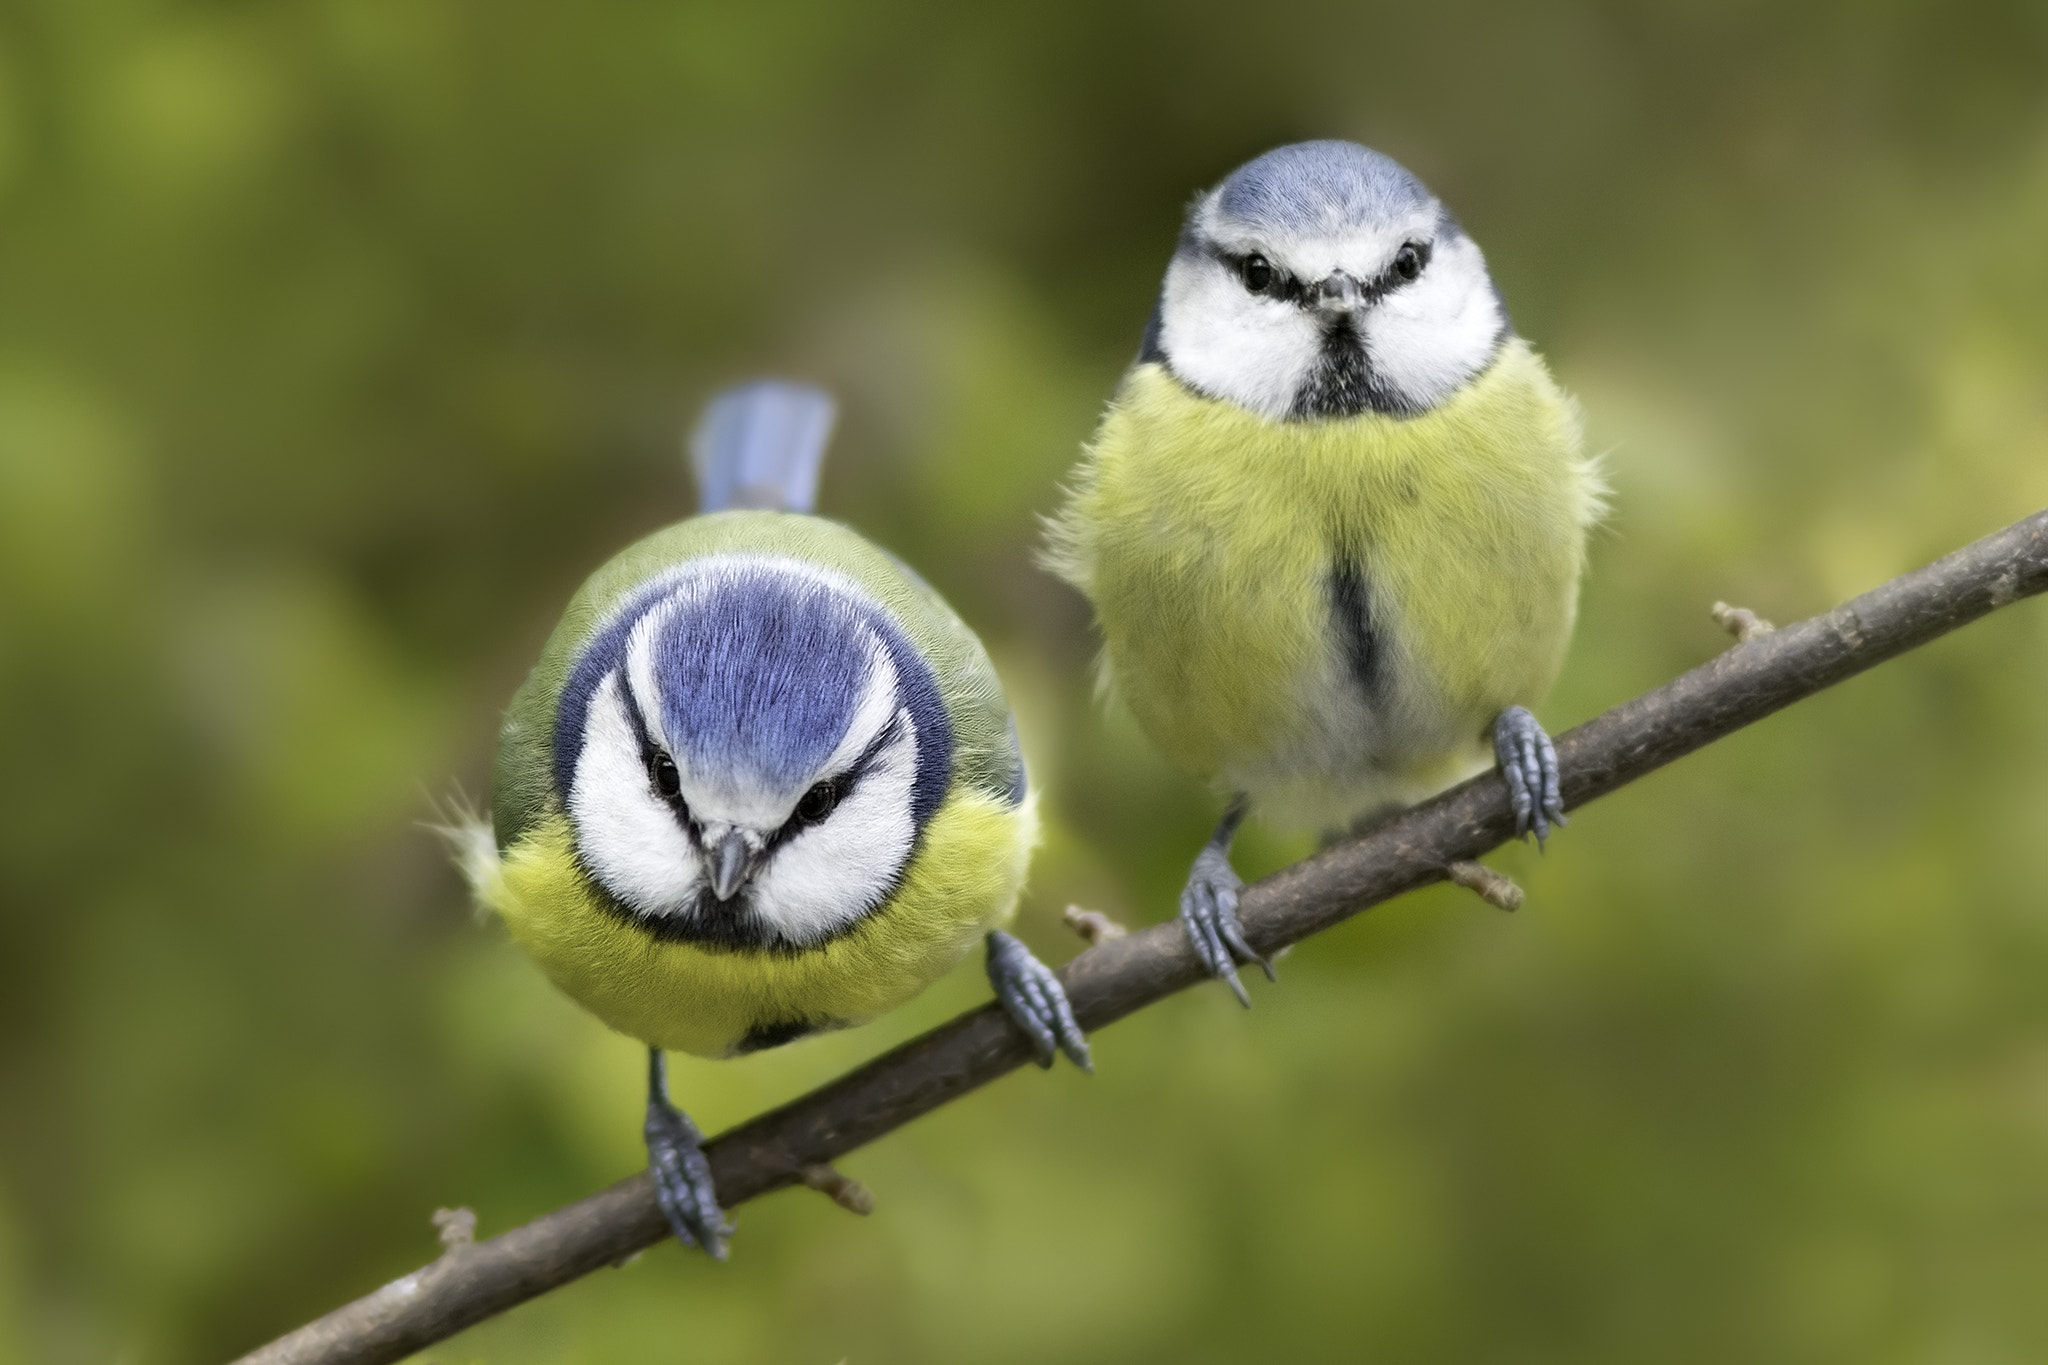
{"x":474,"y":847}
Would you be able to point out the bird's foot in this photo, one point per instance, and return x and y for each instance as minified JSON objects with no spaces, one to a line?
{"x":681,"y":1174}
{"x":1529,"y":762}
{"x":1208,"y":908}
{"x":1035,"y":1001}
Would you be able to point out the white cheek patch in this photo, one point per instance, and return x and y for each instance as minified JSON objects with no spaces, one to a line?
{"x":1230,"y":343}
{"x":828,"y":876}
{"x":1425,"y":339}
{"x":1428,"y":338}
{"x":628,"y":835}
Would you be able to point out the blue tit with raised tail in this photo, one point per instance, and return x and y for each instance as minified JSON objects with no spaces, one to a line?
{"x":762,"y":782}
{"x":1333,"y":521}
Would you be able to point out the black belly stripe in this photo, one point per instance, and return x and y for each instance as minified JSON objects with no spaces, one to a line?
{"x":1351,"y":613}
{"x":775,"y":1035}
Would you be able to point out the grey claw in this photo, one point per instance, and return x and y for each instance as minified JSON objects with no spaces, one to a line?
{"x":1528,"y":760}
{"x":1233,"y":935}
{"x":1036,"y":1002}
{"x":1230,"y":979}
{"x":682,"y":1179}
{"x":1208,"y":909}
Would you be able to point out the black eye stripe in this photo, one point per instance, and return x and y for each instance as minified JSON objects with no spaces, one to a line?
{"x":844,"y":783}
{"x":1286,"y":287}
{"x":662,"y":773}
{"x":650,"y":753}
{"x":630,"y":701}
{"x":1281,"y":283}
{"x":849,"y":779}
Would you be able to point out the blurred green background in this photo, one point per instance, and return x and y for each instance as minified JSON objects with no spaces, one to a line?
{"x":339,"y":340}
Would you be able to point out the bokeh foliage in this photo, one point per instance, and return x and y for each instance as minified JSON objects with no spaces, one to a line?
{"x":338,"y":340}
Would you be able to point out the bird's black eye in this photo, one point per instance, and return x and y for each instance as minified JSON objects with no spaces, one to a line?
{"x":820,"y":801}
{"x":667,"y":780}
{"x":1410,"y":259}
{"x":1258,"y":273}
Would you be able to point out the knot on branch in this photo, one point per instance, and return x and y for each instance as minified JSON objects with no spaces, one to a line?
{"x":456,"y":1227}
{"x":1093,"y":925}
{"x":1744,"y":624}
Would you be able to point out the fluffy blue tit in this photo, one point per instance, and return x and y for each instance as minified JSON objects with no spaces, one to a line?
{"x":762,"y":782}
{"x":1333,"y":521}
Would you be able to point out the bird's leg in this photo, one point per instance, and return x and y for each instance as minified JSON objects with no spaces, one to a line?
{"x":1035,"y":1001}
{"x":1208,"y":907}
{"x":675,"y":1161}
{"x":1529,"y":762}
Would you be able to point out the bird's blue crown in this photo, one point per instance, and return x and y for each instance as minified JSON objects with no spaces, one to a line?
{"x":1317,"y":186}
{"x":760,"y":670}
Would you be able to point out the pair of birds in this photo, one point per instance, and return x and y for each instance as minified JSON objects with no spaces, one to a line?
{"x":764,"y":782}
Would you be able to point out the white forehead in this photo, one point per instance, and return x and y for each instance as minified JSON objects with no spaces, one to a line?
{"x":1317,"y":244}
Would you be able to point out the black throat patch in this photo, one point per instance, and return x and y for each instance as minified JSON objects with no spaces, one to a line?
{"x":1343,"y":381}
{"x":733,"y":926}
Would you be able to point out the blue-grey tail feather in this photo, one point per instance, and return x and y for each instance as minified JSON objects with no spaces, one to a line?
{"x":761,"y":445}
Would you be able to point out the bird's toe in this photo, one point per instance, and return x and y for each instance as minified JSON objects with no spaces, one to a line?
{"x":1036,"y":1002}
{"x":682,"y":1181}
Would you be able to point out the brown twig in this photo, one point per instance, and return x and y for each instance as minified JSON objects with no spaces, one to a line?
{"x":843,"y":1190}
{"x":1743,"y":685}
{"x":1495,"y":888}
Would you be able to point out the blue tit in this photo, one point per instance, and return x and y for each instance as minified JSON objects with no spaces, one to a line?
{"x":1333,"y":521}
{"x":762,"y":782}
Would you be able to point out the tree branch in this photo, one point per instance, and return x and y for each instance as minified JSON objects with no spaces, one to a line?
{"x":1758,"y":676}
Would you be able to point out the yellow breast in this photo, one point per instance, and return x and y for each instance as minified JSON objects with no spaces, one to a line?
{"x":963,"y":882}
{"x":1208,"y":536}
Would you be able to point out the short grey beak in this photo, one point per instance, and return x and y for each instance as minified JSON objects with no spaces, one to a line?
{"x":1339,"y":294}
{"x":731,"y":863}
